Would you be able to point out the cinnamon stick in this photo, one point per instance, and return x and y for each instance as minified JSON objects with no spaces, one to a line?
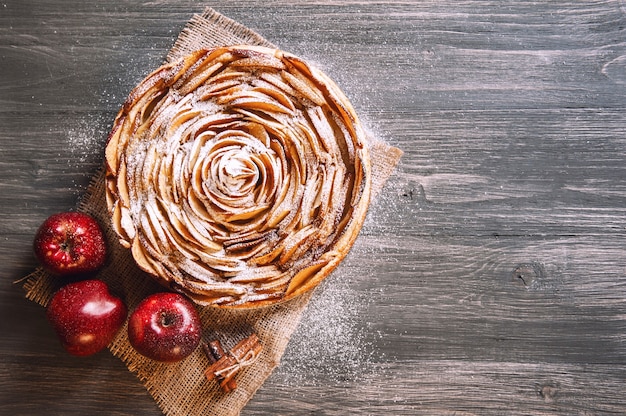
{"x":228,"y":365}
{"x":214,"y":352}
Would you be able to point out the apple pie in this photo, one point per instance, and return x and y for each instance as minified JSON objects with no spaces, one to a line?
{"x":239,"y":176}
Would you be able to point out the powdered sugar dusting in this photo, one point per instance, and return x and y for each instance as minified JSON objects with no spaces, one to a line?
{"x":330,"y":341}
{"x":89,"y":133}
{"x":83,"y":138}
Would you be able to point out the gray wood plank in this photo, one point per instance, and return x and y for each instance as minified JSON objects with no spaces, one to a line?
{"x":490,"y":275}
{"x":455,"y":388}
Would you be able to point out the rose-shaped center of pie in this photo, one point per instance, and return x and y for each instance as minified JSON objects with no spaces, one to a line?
{"x":235,"y":177}
{"x":235,"y":172}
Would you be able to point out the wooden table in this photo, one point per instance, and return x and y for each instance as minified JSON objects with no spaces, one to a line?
{"x":490,"y":277}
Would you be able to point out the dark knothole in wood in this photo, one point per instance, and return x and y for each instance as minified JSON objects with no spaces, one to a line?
{"x":526,"y":274}
{"x":548,"y":393}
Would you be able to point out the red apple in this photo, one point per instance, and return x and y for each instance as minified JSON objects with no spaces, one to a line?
{"x":86,"y":316}
{"x":69,"y":243}
{"x":165,"y":327}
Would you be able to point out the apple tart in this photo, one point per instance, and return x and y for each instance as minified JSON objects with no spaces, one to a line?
{"x":239,"y":176}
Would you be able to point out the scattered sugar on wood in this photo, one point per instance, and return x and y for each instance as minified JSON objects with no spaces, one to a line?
{"x":330,"y":342}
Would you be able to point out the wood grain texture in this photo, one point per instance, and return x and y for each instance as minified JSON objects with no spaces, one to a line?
{"x":490,"y":276}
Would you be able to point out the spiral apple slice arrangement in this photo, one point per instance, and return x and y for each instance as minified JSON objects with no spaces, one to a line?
{"x":84,"y":313}
{"x":239,"y":176}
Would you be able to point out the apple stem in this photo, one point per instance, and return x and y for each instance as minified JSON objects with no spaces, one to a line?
{"x":167,"y":319}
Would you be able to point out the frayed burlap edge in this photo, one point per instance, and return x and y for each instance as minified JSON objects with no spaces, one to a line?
{"x":181,"y":388}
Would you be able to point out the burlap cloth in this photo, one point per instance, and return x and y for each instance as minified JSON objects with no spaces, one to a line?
{"x":181,"y":388}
